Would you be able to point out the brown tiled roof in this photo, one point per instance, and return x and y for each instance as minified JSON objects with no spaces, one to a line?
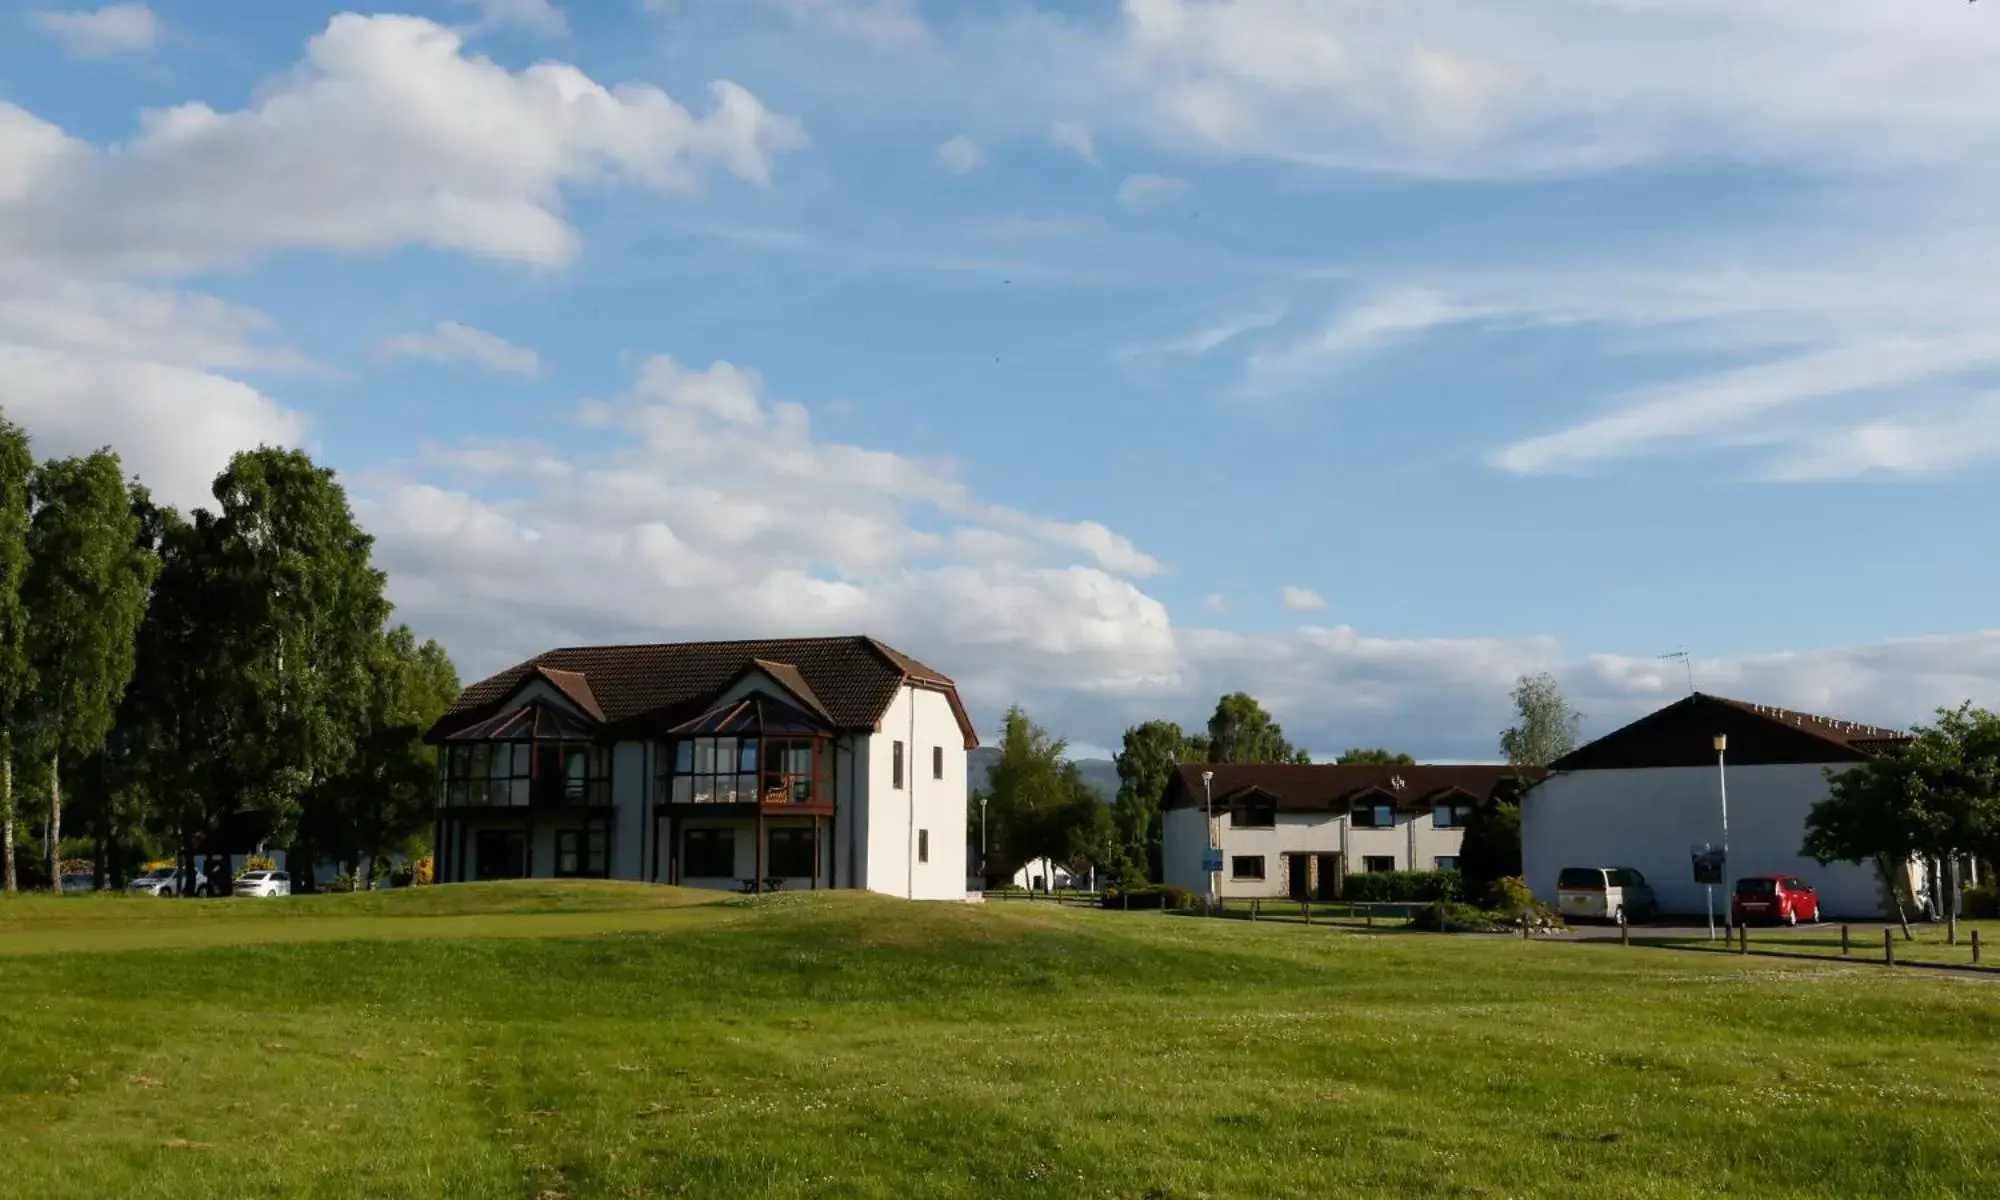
{"x":1318,"y":787}
{"x":787,"y":676}
{"x":643,"y":690}
{"x":1847,"y":733}
{"x":576,"y":687}
{"x":1682,"y":735}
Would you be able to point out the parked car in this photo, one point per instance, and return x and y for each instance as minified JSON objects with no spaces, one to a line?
{"x":167,"y":881}
{"x":262,"y":883}
{"x":1615,"y":894}
{"x":1785,"y":899}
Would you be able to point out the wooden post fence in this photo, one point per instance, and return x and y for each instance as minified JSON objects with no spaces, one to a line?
{"x":1624,"y":934}
{"x":1254,"y":906}
{"x":1306,"y":910}
{"x":1975,"y":947}
{"x":1742,"y":939}
{"x":1888,"y":948}
{"x":1843,"y":941}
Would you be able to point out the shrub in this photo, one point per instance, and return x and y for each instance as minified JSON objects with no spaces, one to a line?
{"x":1512,"y":896}
{"x":1404,"y":887}
{"x":1982,"y":903}
{"x":1451,"y":917}
{"x":1169,"y":896}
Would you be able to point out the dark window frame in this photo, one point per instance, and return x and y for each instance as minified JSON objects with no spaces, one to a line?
{"x":1458,"y":814}
{"x":937,"y":762}
{"x":1368,"y":816}
{"x":739,"y":770}
{"x":700,"y":843}
{"x":923,"y":845}
{"x":1236,"y":862}
{"x":896,"y":766}
{"x":1254,"y":816}
{"x":1368,"y":862}
{"x":1444,"y":862}
{"x":590,"y":849}
{"x":797,"y":852}
{"x":482,"y":843}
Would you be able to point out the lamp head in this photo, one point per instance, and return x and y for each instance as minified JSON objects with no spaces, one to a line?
{"x":1207,"y":777}
{"x":1721,"y":742}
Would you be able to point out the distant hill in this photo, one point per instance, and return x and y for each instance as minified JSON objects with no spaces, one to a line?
{"x":1100,"y":773}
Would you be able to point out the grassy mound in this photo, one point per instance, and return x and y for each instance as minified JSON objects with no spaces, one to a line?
{"x":836,"y":1044}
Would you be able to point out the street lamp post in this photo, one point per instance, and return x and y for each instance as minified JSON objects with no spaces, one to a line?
{"x":982,"y":841}
{"x":1722,"y":788}
{"x":1208,"y":794}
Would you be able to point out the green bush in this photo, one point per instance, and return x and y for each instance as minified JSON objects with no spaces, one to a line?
{"x":1169,"y":896}
{"x":1512,"y":895}
{"x":1451,"y":917}
{"x":1404,"y":887}
{"x":1983,"y":903}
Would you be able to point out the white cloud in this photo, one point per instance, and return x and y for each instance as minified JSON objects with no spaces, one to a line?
{"x":1075,"y":137}
{"x":451,"y":342}
{"x":1298,"y":599}
{"x":1363,"y":329}
{"x":961,"y":155}
{"x":102,"y":33}
{"x":1215,"y":602}
{"x":1138,"y":191}
{"x":883,"y":24}
{"x":531,"y":16}
{"x":388,"y":134}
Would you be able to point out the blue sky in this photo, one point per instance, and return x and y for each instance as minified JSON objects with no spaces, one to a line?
{"x":1108,"y":356}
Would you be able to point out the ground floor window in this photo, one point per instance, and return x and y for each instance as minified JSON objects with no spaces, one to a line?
{"x":710,"y":854}
{"x":500,"y":854}
{"x":790,"y":855}
{"x":1446,"y":862}
{"x":923,"y":845}
{"x":580,"y":853}
{"x":1378,"y":862}
{"x":1246,"y":866}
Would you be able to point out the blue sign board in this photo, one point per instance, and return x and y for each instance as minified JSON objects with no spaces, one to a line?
{"x":1212,"y":860}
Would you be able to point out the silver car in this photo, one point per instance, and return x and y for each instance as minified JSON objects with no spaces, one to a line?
{"x":262,"y":883}
{"x":166,"y":881}
{"x":1614,"y":894}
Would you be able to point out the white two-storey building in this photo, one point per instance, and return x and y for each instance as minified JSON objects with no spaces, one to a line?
{"x":798,"y":763}
{"x":1298,"y":831}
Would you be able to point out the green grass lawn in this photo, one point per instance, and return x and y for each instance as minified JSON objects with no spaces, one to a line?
{"x":606,"y":1040}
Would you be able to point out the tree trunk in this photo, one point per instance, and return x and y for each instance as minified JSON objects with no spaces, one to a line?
{"x":1951,"y":900}
{"x":1888,"y":877}
{"x":55,"y":822}
{"x":7,"y":809}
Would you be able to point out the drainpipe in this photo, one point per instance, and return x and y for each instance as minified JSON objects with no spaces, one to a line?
{"x":910,"y":796}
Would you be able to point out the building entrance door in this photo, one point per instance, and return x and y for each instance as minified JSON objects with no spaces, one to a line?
{"x":1330,"y":877}
{"x":1298,"y":876}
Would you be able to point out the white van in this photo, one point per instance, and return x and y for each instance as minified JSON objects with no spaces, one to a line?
{"x":1615,"y":894}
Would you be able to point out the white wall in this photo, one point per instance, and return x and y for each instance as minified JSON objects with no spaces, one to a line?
{"x":922,"y":720}
{"x":1297,"y":833}
{"x":1649,"y":818}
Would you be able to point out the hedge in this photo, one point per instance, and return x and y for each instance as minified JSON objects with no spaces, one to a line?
{"x":1169,"y":896}
{"x":1404,"y":887}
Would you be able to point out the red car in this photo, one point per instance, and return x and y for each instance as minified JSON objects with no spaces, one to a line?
{"x":1786,"y":899}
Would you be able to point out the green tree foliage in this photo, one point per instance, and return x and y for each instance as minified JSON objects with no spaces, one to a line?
{"x":305,"y":610}
{"x":85,"y":591}
{"x":1242,"y":732}
{"x":1038,"y":805}
{"x":1935,"y":798}
{"x":17,"y":466}
{"x":1375,"y":757}
{"x":386,"y":797}
{"x":1146,"y":763}
{"x":1490,"y":849}
{"x":1547,"y":727}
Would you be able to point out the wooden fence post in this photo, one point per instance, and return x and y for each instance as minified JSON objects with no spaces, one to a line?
{"x":1306,"y":910}
{"x":1975,"y":947}
{"x":1126,"y":896}
{"x":1843,"y":941}
{"x":1255,"y":907}
{"x":1524,"y":927}
{"x":1368,"y":916}
{"x":1888,"y":948}
{"x":1742,"y":939}
{"x":1624,"y":934}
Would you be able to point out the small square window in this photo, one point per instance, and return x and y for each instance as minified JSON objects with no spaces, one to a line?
{"x":1378,"y":862}
{"x":923,"y":845}
{"x":1246,"y":866}
{"x":1446,"y":862}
